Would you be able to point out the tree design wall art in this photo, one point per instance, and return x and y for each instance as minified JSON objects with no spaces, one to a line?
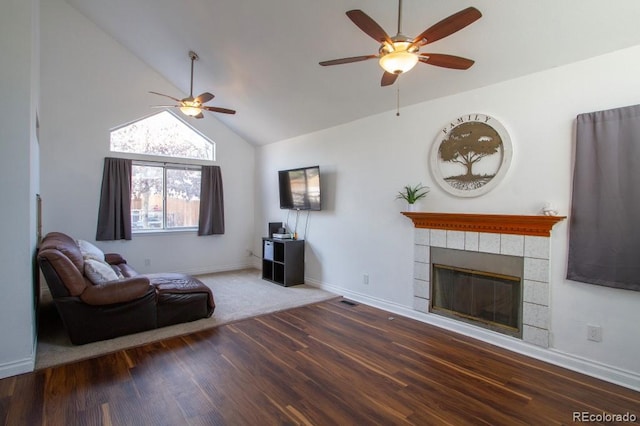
{"x":471,"y":155}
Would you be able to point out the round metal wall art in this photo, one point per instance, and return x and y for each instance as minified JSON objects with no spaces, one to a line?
{"x":471,"y":155}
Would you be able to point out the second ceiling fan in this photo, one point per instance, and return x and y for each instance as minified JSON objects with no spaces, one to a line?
{"x":191,"y":106}
{"x":398,"y":54}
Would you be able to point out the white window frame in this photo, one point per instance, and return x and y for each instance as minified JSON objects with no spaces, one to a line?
{"x":165,"y":166}
{"x":177,"y":163}
{"x":142,"y":156}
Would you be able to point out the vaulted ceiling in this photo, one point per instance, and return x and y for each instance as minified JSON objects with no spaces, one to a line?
{"x":261,"y":57}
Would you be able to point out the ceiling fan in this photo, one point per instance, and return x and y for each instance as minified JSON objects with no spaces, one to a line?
{"x":399,"y":54}
{"x":191,"y":106}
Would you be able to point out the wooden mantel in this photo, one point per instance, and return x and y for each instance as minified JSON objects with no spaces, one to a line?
{"x":493,"y":223}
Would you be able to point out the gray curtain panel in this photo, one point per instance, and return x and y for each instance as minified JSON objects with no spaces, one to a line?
{"x":604,"y":241}
{"x":211,"y":221}
{"x":114,"y":213}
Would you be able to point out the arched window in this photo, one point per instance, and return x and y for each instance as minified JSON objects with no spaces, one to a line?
{"x":162,"y":134}
{"x":164,"y":195}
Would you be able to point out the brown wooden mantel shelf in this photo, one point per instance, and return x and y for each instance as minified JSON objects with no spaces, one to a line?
{"x":493,"y":223}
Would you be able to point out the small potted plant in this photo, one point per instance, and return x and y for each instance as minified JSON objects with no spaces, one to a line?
{"x":411,"y":194}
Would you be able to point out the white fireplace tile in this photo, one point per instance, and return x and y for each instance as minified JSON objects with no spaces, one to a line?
{"x":489,"y":243}
{"x":421,"y":289}
{"x":536,"y":292}
{"x":455,"y":240}
{"x":537,"y":247}
{"x":438,"y":238}
{"x":421,"y":236}
{"x":535,"y":315}
{"x":512,"y":245}
{"x":421,"y":254}
{"x":421,"y":305}
{"x":471,"y":241}
{"x":421,"y":271}
{"x":536,"y":336}
{"x":536,"y":269}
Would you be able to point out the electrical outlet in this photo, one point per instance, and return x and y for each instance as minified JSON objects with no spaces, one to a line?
{"x":594,"y":333}
{"x":365,"y":279}
{"x":147,"y":262}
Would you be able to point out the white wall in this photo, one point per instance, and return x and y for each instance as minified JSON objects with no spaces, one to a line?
{"x":19,"y":46}
{"x":90,"y":84}
{"x":365,"y":163}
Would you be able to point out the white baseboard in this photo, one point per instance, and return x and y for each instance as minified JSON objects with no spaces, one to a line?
{"x":218,"y":268}
{"x":21,"y":366}
{"x":582,"y":365}
{"x":13,"y":368}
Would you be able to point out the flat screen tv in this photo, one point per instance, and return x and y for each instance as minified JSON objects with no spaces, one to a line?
{"x":300,"y":188}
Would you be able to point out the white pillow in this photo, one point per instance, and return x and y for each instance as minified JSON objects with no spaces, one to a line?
{"x":89,"y":251}
{"x":99,"y":272}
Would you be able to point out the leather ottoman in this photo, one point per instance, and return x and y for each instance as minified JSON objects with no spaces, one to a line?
{"x":181,"y":298}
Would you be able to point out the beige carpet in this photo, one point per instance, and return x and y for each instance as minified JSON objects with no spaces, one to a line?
{"x":238,"y":295}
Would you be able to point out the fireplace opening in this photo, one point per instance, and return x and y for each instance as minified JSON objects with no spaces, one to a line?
{"x":478,"y":288}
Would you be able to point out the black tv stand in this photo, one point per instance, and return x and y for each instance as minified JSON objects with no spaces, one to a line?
{"x":283,"y":261}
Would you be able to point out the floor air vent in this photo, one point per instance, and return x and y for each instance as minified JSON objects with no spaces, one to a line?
{"x":348,"y":302}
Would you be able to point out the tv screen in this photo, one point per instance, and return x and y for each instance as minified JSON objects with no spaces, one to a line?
{"x":300,"y":188}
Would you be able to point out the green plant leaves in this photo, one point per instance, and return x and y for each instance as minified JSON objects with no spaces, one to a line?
{"x":411,"y":194}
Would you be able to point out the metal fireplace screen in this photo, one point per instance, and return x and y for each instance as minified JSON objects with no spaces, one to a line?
{"x":487,"y":299}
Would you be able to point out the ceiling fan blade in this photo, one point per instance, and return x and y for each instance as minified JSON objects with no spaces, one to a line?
{"x":166,"y":96}
{"x":217,"y":109}
{"x":201,"y":115}
{"x":204,"y":97}
{"x":369,"y":26}
{"x":166,"y":106}
{"x":388,"y":79}
{"x":448,"y":26}
{"x":347,"y":60}
{"x":446,"y":61}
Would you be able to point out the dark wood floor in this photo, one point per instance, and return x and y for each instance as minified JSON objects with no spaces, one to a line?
{"x":323,"y":364}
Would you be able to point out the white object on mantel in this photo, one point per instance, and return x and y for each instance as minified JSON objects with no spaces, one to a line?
{"x":549,"y":210}
{"x":412,"y":207}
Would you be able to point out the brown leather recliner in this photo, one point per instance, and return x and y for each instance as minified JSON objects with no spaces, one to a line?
{"x":133,"y":303}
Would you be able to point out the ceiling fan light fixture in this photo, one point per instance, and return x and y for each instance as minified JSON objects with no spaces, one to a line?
{"x":190,"y":108}
{"x":398,"y":61}
{"x":399,"y":54}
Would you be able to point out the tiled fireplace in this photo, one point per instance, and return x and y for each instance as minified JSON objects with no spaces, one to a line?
{"x":519,"y":238}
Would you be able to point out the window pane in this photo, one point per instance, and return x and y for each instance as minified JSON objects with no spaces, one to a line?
{"x":146,"y":197}
{"x":162,"y":134}
{"x":183,"y":198}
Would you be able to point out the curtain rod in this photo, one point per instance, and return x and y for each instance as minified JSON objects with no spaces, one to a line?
{"x":167,"y":163}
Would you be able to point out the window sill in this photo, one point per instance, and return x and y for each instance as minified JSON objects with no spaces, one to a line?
{"x":139,"y":233}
